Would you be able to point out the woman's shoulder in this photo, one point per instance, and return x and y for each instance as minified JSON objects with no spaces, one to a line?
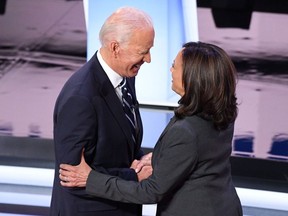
{"x":194,"y":124}
{"x":193,"y":119}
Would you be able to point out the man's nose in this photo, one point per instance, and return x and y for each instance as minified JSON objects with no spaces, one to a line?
{"x":147,"y":58}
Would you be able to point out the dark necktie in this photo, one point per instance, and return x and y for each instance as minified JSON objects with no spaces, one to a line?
{"x":128,"y":107}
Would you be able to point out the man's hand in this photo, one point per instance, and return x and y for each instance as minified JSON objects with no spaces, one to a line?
{"x":137,"y":165}
{"x":144,"y":173}
{"x":143,"y":166}
{"x":144,"y":161}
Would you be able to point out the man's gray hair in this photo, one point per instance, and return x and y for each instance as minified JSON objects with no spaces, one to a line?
{"x":122,"y":23}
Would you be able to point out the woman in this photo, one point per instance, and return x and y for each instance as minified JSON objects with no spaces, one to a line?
{"x":191,"y":168}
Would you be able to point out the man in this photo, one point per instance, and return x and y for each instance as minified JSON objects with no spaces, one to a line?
{"x":89,"y":115}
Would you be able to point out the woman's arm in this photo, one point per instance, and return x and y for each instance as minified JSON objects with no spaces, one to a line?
{"x":76,"y":176}
{"x":174,"y":159}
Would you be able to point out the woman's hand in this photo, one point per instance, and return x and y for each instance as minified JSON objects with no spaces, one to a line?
{"x":143,"y":167}
{"x":137,"y":165}
{"x":74,"y":176}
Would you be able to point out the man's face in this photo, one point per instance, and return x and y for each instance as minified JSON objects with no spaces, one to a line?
{"x":135,"y":52}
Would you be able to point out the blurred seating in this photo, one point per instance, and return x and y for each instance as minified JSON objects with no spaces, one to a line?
{"x":243,"y":145}
{"x":279,"y":147}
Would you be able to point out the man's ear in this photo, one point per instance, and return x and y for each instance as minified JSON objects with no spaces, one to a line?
{"x":114,"y":48}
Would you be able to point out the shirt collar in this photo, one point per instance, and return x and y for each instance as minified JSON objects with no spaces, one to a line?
{"x":114,"y":77}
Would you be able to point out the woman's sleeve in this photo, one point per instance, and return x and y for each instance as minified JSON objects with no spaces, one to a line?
{"x":176,"y":156}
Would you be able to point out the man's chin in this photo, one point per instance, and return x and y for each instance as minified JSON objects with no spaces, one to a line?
{"x":134,"y":72}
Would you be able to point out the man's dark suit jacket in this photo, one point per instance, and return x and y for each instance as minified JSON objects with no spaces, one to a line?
{"x":88,"y":114}
{"x":191,"y":173}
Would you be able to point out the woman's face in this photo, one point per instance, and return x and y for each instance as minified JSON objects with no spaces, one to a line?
{"x":177,"y":74}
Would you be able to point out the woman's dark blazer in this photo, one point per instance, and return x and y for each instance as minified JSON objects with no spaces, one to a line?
{"x":88,"y":114}
{"x":191,"y":173}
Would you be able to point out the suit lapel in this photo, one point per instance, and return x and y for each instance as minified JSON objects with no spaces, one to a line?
{"x":115,"y":106}
{"x":109,"y":95}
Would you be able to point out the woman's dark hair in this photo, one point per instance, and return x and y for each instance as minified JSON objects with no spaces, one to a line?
{"x":209,"y":80}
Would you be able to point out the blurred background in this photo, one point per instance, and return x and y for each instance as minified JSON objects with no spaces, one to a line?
{"x":42,"y":43}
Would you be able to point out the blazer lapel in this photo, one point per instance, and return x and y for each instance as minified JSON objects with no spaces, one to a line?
{"x":172,"y":121}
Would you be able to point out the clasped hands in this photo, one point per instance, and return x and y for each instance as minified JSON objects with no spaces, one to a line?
{"x":76,"y":176}
{"x":143,"y":167}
